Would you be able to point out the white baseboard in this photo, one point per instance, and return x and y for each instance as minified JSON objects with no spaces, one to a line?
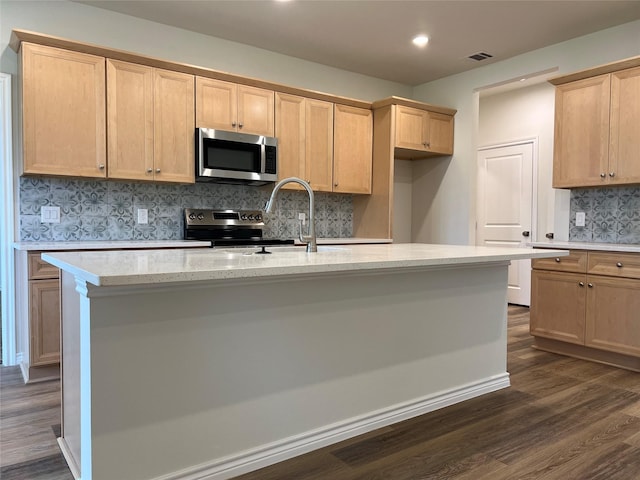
{"x":279,"y":451}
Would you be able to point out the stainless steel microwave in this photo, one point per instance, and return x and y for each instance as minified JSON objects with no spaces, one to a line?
{"x":232,"y":157}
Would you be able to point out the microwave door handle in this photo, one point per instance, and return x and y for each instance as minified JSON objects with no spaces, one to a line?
{"x":263,"y":159}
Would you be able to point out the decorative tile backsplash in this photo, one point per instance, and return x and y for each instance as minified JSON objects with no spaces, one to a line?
{"x":612,"y":215}
{"x":106,"y":210}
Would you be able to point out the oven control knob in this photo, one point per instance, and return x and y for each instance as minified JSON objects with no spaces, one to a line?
{"x":258,"y":217}
{"x":250,"y":217}
{"x":243,"y":216}
{"x":192,"y":216}
{"x":201,"y":216}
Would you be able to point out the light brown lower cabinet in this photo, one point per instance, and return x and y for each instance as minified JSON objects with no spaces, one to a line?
{"x":578,"y":311}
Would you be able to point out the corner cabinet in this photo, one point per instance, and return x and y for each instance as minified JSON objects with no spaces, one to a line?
{"x":597,"y":120}
{"x":233,"y":107}
{"x":150,"y":115}
{"x":586,"y":305}
{"x":402,"y":129}
{"x":63,"y":111}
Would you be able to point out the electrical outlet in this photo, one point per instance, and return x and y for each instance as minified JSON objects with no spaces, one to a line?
{"x":303,"y":217}
{"x":50,"y":214}
{"x":143,"y":216}
{"x":580,"y":219}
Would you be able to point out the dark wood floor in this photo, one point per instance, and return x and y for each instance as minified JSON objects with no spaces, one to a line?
{"x":562,"y":418}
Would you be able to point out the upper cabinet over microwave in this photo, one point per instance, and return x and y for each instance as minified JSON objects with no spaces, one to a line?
{"x":597,"y":126}
{"x":233,"y":107}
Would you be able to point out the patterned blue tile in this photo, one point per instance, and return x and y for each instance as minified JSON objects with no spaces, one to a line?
{"x":32,"y":230}
{"x":105,"y":210}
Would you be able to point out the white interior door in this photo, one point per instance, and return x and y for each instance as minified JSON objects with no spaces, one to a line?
{"x":505,"y":193}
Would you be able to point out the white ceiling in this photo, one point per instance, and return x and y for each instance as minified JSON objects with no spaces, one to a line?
{"x":374,"y":37}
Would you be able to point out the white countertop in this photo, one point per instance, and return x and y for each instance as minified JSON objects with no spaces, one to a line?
{"x":137,"y":267}
{"x":610,"y":247}
{"x":108,"y":245}
{"x":134,"y":244}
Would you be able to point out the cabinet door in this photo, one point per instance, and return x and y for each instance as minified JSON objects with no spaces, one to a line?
{"x":216,"y":104}
{"x":63,"y":101}
{"x":612,"y":321}
{"x":319,"y":145}
{"x":290,"y":131}
{"x":558,"y":306}
{"x":411,"y":128}
{"x":130,"y":120}
{"x":255,"y":111}
{"x":173,"y":127}
{"x":352,"y":149}
{"x":440,"y":133}
{"x":44,"y":315}
{"x":581,"y":142}
{"x":624,"y":147}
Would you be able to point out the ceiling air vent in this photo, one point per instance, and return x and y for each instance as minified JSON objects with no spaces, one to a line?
{"x":480,"y":56}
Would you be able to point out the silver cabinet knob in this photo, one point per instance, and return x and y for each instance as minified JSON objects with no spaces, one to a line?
{"x":101,"y":166}
{"x":581,"y":284}
{"x":233,"y":124}
{"x":157,"y":170}
{"x":149,"y":170}
{"x":602,"y":175}
{"x":590,"y":285}
{"x":240,"y":125}
{"x":557,"y":259}
{"x":612,"y":174}
{"x":335,"y":184}
{"x":619,"y":265}
{"x":526,"y":233}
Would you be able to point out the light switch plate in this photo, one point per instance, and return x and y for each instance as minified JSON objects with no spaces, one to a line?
{"x":143,"y":216}
{"x":580,"y":219}
{"x":50,"y":214}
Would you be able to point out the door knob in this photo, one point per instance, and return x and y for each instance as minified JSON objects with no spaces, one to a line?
{"x":525,"y":233}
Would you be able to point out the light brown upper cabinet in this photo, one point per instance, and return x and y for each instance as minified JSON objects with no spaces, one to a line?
{"x":63,"y":102}
{"x":597,"y":130}
{"x":150,"y":115}
{"x":352,"y":149}
{"x":233,"y":107}
{"x":304,"y":128}
{"x":422,"y":131}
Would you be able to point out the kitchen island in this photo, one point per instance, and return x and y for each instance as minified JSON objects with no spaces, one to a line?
{"x":207,"y":363}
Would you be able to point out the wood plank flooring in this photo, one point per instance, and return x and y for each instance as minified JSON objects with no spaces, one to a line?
{"x":562,"y":419}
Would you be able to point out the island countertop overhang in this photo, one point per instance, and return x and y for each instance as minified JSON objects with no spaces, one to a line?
{"x":137,"y":267}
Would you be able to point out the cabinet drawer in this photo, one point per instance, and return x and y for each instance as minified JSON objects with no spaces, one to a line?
{"x":575,"y":262}
{"x":615,"y":264}
{"x":39,"y":269}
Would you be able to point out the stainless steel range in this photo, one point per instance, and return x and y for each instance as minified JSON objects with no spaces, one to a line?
{"x":227,"y":227}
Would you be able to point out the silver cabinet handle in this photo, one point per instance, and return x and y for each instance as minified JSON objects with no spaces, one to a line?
{"x":581,"y":284}
{"x":157,"y":170}
{"x":149,"y":170}
{"x":619,"y":265}
{"x":101,"y":166}
{"x":612,"y":174}
{"x":590,"y":285}
{"x":233,"y":124}
{"x":602,"y":175}
{"x":240,"y":125}
{"x":557,"y":260}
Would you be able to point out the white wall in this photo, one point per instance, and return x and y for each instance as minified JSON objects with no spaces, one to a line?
{"x":523,"y":114}
{"x":93,"y":25}
{"x":444,"y":196}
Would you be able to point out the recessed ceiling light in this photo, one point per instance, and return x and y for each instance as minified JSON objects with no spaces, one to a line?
{"x":420,"y":40}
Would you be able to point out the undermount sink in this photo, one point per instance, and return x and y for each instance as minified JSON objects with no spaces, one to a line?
{"x":258,"y":250}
